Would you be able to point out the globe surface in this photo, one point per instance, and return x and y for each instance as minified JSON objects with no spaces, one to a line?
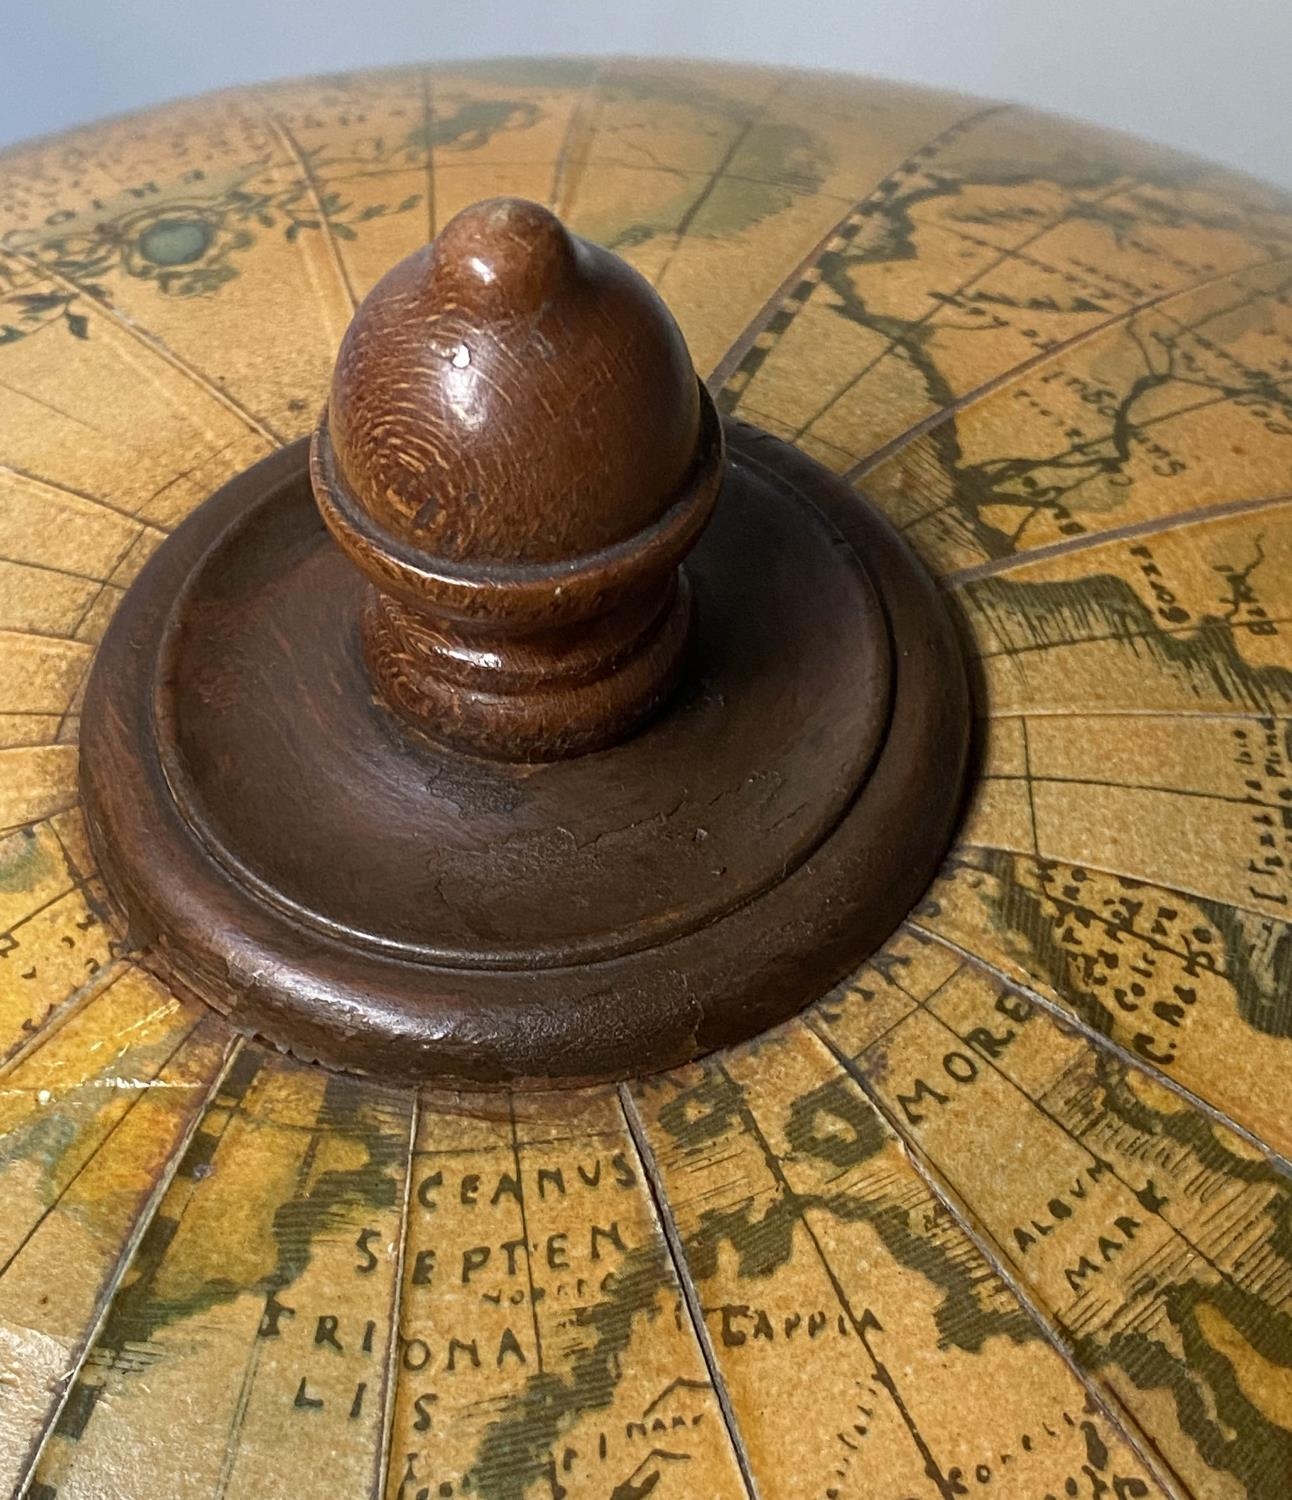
{"x":1009,"y":1213}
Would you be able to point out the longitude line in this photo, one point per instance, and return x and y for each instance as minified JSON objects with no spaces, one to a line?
{"x":572,"y":127}
{"x":1100,"y":1398}
{"x":1027,"y":782}
{"x":714,"y":178}
{"x":428,"y":126}
{"x":730,"y":361}
{"x":1002,"y":257}
{"x":382,"y":1472}
{"x":862,"y":1324}
{"x":131,"y":1104}
{"x":147,"y":1210}
{"x":524,"y":1229}
{"x":690,"y":1292}
{"x":302,"y":161}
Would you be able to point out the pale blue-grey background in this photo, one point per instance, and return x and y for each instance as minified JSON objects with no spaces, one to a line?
{"x":1212,"y":76}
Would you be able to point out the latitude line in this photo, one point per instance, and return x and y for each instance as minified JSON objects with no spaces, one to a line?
{"x":1173,"y":1229}
{"x":34,"y":633}
{"x":53,"y":900}
{"x":911,"y":996}
{"x":1074,"y":1020}
{"x":1009,"y":653}
{"x":137,"y":1096}
{"x":153,"y":344}
{"x":948,"y":413}
{"x":48,"y":406}
{"x":62,"y":1011}
{"x":98,"y":501}
{"x":43,"y":567}
{"x":53,"y":812}
{"x":1154,"y":526}
{"x":811,"y":1015}
{"x":1097,"y":711}
{"x":1028,"y":775}
{"x":1003,"y":257}
{"x":686,"y":174}
{"x":1221,"y":396}
{"x":820,"y":1025}
{"x":1086,"y":864}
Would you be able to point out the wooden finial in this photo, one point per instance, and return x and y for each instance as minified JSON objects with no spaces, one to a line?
{"x":517,"y":454}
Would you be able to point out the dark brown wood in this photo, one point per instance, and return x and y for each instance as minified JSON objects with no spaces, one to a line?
{"x":375,"y":901}
{"x":445,"y":858}
{"x":517,"y":454}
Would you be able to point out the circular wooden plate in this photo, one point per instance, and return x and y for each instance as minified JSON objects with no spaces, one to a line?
{"x":366,"y":899}
{"x":1003,"y":1214}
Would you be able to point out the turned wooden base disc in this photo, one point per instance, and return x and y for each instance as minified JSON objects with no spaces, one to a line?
{"x":365,"y":897}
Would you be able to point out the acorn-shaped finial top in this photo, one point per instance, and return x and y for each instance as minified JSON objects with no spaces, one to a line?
{"x":516,"y":445}
{"x":511,"y":393}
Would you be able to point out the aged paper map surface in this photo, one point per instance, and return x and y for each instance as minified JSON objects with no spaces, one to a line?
{"x":1008,"y":1214}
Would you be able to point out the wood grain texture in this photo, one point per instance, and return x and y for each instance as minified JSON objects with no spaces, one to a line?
{"x":366,"y":898}
{"x":517,"y":454}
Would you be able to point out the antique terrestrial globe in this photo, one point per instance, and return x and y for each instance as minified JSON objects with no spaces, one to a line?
{"x":645,"y":782}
